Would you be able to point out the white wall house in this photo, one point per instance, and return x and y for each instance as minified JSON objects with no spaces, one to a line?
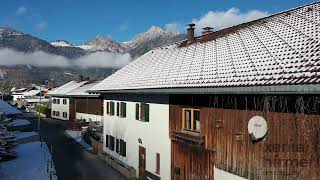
{"x":60,"y":108}
{"x":133,"y":135}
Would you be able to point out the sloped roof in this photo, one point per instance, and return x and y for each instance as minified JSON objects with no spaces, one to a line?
{"x":7,"y":109}
{"x":279,"y":50}
{"x":66,"y":88}
{"x":31,"y":92}
{"x":82,"y":91}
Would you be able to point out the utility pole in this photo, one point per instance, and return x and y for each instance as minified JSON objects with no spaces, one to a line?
{"x":39,"y":112}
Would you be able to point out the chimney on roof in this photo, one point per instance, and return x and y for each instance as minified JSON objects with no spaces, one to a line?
{"x":207,"y":30}
{"x":190,"y":32}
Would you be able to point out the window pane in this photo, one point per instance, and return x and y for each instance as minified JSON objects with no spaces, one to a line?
{"x":196,"y":120}
{"x":187,"y":119}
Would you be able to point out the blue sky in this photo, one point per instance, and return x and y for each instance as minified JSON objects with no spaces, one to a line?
{"x":81,"y":20}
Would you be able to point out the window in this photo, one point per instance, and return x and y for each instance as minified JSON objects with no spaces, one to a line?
{"x":53,"y":113}
{"x":54,"y":101}
{"x":65,"y":114}
{"x":117,"y":146}
{"x":111,"y":143}
{"x":57,"y":113}
{"x":123,"y":148}
{"x":64,"y":101}
{"x":142,"y":112}
{"x":107,"y":140}
{"x":110,"y":108}
{"x":121,"y":109}
{"x":58,"y":101}
{"x":191,"y":119}
{"x":158,"y":164}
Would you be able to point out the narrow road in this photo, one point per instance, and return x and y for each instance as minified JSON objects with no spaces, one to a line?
{"x":71,"y":161}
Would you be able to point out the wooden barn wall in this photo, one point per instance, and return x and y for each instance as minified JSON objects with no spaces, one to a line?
{"x":89,"y":106}
{"x":289,"y":151}
{"x":72,"y":109}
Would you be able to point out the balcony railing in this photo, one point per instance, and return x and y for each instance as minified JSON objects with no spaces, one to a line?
{"x":190,"y":138}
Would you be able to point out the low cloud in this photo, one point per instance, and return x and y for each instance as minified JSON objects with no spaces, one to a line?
{"x":41,"y":59}
{"x":218,"y":19}
{"x":21,"y":10}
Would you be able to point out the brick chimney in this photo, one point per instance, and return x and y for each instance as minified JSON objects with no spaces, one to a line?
{"x":190,"y":32}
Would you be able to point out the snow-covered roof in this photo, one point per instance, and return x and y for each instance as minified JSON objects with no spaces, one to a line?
{"x":282,"y":49}
{"x":66,"y":88}
{"x":31,"y":93}
{"x":82,"y":91}
{"x":7,"y":109}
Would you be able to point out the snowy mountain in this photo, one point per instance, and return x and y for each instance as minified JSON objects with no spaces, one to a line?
{"x":61,"y":43}
{"x":102,"y":43}
{"x":139,"y":45}
{"x":152,"y":33}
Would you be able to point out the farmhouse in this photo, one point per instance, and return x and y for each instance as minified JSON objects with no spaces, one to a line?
{"x":238,"y":103}
{"x":88,"y":107}
{"x":62,"y":106}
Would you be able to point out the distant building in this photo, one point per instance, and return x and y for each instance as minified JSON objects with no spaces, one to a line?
{"x":239,"y":103}
{"x":72,"y":102}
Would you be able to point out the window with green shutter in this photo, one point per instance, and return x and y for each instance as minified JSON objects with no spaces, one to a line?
{"x":117,"y":146}
{"x":107,"y":141}
{"x":123,"y":109}
{"x":112,"y":108}
{"x":118,"y":108}
{"x":137,"y":111}
{"x":142,"y":112}
{"x":108,"y":107}
{"x":146,"y":112}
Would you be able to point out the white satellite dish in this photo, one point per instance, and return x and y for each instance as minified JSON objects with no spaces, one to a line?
{"x":257,"y":128}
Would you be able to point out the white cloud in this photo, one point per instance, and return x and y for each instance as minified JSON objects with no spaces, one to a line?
{"x":222,"y":19}
{"x":174,"y":27}
{"x":100,"y":59}
{"x":41,"y":25}
{"x":218,"y":20}
{"x":21,"y":10}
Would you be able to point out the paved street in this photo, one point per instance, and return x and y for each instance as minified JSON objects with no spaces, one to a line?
{"x":71,"y":161}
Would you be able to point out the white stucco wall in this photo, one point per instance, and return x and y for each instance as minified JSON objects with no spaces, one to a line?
{"x":61,"y":108}
{"x":15,"y":97}
{"x":154,"y":135}
{"x":224,"y":175}
{"x":87,"y":117}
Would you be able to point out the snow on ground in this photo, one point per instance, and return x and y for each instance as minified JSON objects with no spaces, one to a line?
{"x":21,"y":122}
{"x":76,"y":135}
{"x":21,"y":135}
{"x":31,"y":163}
{"x":220,"y":174}
{"x":8,"y":109}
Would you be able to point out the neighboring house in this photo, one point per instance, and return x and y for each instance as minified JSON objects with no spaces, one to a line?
{"x":88,"y":107}
{"x":63,"y":107}
{"x":239,"y":103}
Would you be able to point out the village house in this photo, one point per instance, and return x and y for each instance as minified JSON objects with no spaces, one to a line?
{"x":88,"y":107}
{"x":63,"y":107}
{"x":71,"y":102}
{"x":239,"y":103}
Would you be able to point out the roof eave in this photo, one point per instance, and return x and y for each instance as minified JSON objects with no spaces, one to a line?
{"x":276,"y":89}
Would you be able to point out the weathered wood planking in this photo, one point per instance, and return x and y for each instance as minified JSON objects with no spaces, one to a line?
{"x":226,"y":135}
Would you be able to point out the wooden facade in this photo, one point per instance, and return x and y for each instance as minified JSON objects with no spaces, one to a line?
{"x":290,"y":149}
{"x":89,"y":106}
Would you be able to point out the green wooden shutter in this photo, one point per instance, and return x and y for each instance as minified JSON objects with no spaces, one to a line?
{"x":124,"y":108}
{"x":118,"y":108}
{"x":146,"y":112}
{"x":137,"y":111}
{"x":107,"y":141}
{"x":117,"y":146}
{"x":108,"y":108}
{"x":112,"y":108}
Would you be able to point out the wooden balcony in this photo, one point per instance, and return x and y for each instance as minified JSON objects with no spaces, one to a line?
{"x":189,"y":138}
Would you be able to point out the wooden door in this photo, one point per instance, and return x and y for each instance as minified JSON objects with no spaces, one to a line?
{"x":142,"y":161}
